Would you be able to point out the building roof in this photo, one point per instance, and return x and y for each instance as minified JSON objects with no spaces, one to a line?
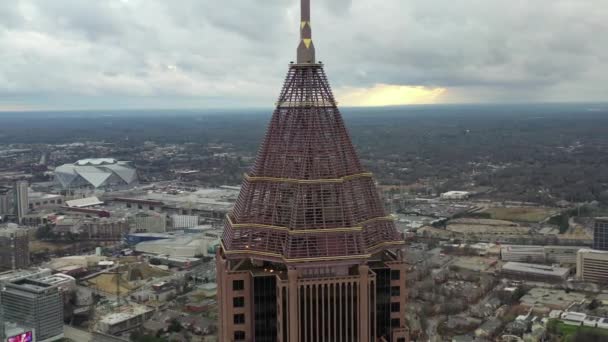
{"x":84,"y":202}
{"x":96,"y":161}
{"x":95,"y":173}
{"x":125,"y":313}
{"x":536,"y":269}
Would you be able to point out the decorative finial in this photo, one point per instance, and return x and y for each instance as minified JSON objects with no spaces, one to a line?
{"x":306,"y":49}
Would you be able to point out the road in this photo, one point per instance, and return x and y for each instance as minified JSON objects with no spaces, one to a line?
{"x":77,"y":335}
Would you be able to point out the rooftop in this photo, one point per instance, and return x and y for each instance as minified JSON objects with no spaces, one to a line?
{"x":536,"y":269}
{"x":125,"y":313}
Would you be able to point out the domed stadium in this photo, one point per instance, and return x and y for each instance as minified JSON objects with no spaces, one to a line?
{"x":102,"y":173}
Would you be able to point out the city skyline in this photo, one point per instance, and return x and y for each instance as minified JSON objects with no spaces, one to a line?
{"x":404,"y":53}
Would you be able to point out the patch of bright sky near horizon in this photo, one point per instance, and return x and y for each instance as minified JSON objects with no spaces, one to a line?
{"x":92,"y":54}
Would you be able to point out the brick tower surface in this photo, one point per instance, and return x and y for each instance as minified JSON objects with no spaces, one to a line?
{"x":308,"y":252}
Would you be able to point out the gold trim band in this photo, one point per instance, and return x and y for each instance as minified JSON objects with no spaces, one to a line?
{"x":357,"y":228}
{"x":307,"y":181}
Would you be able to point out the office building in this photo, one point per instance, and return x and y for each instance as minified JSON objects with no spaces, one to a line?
{"x":592,"y":265}
{"x":34,"y":304}
{"x":21,"y":200}
{"x":550,"y":254}
{"x":600,"y":233}
{"x":14,"y":248}
{"x":308,"y":252}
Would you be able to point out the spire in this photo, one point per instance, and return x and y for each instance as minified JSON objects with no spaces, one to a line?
{"x":306,"y":49}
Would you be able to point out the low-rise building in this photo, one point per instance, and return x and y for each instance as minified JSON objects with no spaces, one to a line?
{"x":455,"y":195}
{"x":545,"y":300}
{"x":528,"y":253}
{"x":124,"y":319}
{"x":535,"y":272}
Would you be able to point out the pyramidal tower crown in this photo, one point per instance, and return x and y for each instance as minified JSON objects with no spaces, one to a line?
{"x":307,"y":199}
{"x":308,"y":252}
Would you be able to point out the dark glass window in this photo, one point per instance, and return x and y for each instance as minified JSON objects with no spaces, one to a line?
{"x":395,"y":275}
{"x":401,"y":339}
{"x":238,"y":302}
{"x":239,"y":335}
{"x":395,"y":291}
{"x":395,"y":322}
{"x":395,"y":307}
{"x":265,"y":309}
{"x":238,"y":285}
{"x":239,"y":319}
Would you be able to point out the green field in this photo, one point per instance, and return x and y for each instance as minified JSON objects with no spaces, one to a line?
{"x":521,"y":214}
{"x":567,"y":331}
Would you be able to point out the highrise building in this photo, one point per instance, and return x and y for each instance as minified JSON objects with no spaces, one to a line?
{"x":6,"y":207}
{"x":600,"y":233}
{"x":35,"y":304}
{"x":21,"y":201}
{"x":308,"y":252}
{"x":14,"y":248}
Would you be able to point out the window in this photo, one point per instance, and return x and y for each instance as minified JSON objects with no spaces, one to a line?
{"x":239,"y":336}
{"x":139,"y":206}
{"x":151,"y":208}
{"x":395,"y":291}
{"x":128,"y":205}
{"x":239,"y":319}
{"x":395,"y":307}
{"x":401,"y":339}
{"x":395,"y":274}
{"x":395,"y":322}
{"x":238,"y":285}
{"x":238,"y":302}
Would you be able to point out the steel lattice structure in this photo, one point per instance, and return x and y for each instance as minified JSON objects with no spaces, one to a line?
{"x":307,"y":197}
{"x":308,"y":252}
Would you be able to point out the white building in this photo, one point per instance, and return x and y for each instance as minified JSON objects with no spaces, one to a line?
{"x":102,"y":173}
{"x":592,"y":265}
{"x":184,"y":221}
{"x":455,"y":195}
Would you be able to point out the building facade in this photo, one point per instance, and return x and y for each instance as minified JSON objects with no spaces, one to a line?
{"x":34,"y":304}
{"x":21,"y":200}
{"x":14,"y":249}
{"x":308,"y":252}
{"x":592,"y":265}
{"x":600,"y":233}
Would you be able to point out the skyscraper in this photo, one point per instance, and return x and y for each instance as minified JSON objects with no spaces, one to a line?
{"x":21,"y":201}
{"x":14,"y":248}
{"x":5,"y":202}
{"x":308,"y":253}
{"x":600,"y":233}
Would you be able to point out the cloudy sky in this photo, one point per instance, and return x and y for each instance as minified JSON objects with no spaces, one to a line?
{"x":91,"y":54}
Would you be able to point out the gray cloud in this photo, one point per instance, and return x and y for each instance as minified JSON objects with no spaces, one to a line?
{"x":198,"y":53}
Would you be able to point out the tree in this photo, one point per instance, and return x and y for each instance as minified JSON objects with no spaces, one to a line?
{"x":594,"y":304}
{"x":175,"y":326}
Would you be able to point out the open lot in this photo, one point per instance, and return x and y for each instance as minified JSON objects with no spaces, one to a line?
{"x":521,"y":214}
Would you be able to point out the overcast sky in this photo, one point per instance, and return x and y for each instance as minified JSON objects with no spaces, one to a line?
{"x":73,"y":54}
